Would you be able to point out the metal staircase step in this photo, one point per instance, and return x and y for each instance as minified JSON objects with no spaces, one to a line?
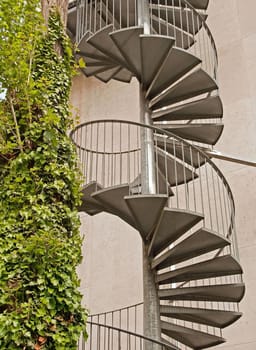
{"x":146,"y":210}
{"x":152,"y":60}
{"x":90,"y":205}
{"x":199,"y":132}
{"x":183,"y":39}
{"x":210,"y":317}
{"x":197,"y":83}
{"x":198,"y":4}
{"x":112,"y":198}
{"x":177,"y":63}
{"x":172,"y":225}
{"x":89,"y":51}
{"x":97,"y":70}
{"x":180,"y":150}
{"x":232,"y":293}
{"x":128,"y":42}
{"x":185,"y":19}
{"x":123,"y":75}
{"x":175,"y":171}
{"x":200,"y":242}
{"x":225,"y":265}
{"x":209,"y":107}
{"x":108,"y":74}
{"x":190,"y":337}
{"x":160,"y":185}
{"x":102,"y":41}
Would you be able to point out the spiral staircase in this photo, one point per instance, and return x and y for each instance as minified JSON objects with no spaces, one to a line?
{"x":156,"y":175}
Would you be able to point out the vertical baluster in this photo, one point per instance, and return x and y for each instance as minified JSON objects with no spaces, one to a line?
{"x":181,"y":26}
{"x":215,"y":200}
{"x":175,"y":172}
{"x":201,"y":187}
{"x":208,"y":192}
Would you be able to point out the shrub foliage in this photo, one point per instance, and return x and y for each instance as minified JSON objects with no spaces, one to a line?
{"x":40,"y":244}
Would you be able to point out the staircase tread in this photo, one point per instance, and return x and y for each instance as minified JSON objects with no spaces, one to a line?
{"x":141,"y":205}
{"x":200,"y":242}
{"x":208,"y":133}
{"x":194,"y":84}
{"x":190,"y":337}
{"x":172,"y":225}
{"x":177,"y":63}
{"x":210,"y":317}
{"x":220,"y":266}
{"x":209,"y":107}
{"x":222,"y":292}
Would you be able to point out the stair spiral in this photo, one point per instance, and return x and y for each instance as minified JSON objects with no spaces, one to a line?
{"x":189,"y":236}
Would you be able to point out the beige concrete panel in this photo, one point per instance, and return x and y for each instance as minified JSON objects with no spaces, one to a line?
{"x":223,"y":21}
{"x":94,"y":99}
{"x":246,"y":10}
{"x":111,"y":271}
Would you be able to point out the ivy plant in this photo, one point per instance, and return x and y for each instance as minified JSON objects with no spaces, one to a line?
{"x":40,"y":243}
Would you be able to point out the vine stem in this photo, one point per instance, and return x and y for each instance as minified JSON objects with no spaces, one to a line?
{"x":16,"y":124}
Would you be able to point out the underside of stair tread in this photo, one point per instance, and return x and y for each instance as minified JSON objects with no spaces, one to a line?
{"x":197,"y":4}
{"x":177,"y":63}
{"x":185,"y":19}
{"x":222,"y":292}
{"x":210,"y":107}
{"x":183,"y":39}
{"x":197,"y":83}
{"x":89,"y":51}
{"x":128,"y":42}
{"x":151,"y":60}
{"x":182,"y":151}
{"x":176,"y":172}
{"x":221,"y":266}
{"x":200,"y":242}
{"x":102,"y":41}
{"x":123,"y":75}
{"x":172,"y":225}
{"x":210,"y":317}
{"x":199,"y":132}
{"x":143,"y":205}
{"x":108,"y":74}
{"x":112,"y":198}
{"x":190,"y":337}
{"x":89,"y":205}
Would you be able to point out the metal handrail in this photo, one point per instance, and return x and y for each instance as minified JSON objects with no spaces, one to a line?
{"x":117,"y":310}
{"x":164,"y":132}
{"x":162,"y":345}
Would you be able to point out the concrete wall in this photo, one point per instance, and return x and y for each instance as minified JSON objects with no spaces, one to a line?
{"x":111,"y":271}
{"x":232,"y":23}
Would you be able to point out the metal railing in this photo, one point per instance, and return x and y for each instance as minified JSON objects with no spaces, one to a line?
{"x":110,"y":154}
{"x":173,"y":18}
{"x":113,"y":338}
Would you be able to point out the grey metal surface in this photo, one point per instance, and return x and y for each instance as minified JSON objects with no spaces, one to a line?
{"x":198,"y":4}
{"x":113,"y":199}
{"x":185,"y":19}
{"x":89,"y":205}
{"x":108,"y":74}
{"x":221,"y":292}
{"x":200,"y":242}
{"x":183,"y":39}
{"x":146,"y":210}
{"x":172,"y":225}
{"x":190,"y":337}
{"x":102,"y":41}
{"x":128,"y":43}
{"x":197,"y":83}
{"x":176,"y":172}
{"x":221,"y":266}
{"x":177,"y":63}
{"x":210,"y":107}
{"x":199,"y":132}
{"x":210,"y":317}
{"x":123,"y":75}
{"x":152,"y":60}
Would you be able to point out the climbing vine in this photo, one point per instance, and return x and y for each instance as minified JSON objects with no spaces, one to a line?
{"x":40,"y":244}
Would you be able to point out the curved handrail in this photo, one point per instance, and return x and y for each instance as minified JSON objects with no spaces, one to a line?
{"x":162,"y":346}
{"x":164,"y":132}
{"x":117,"y":310}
